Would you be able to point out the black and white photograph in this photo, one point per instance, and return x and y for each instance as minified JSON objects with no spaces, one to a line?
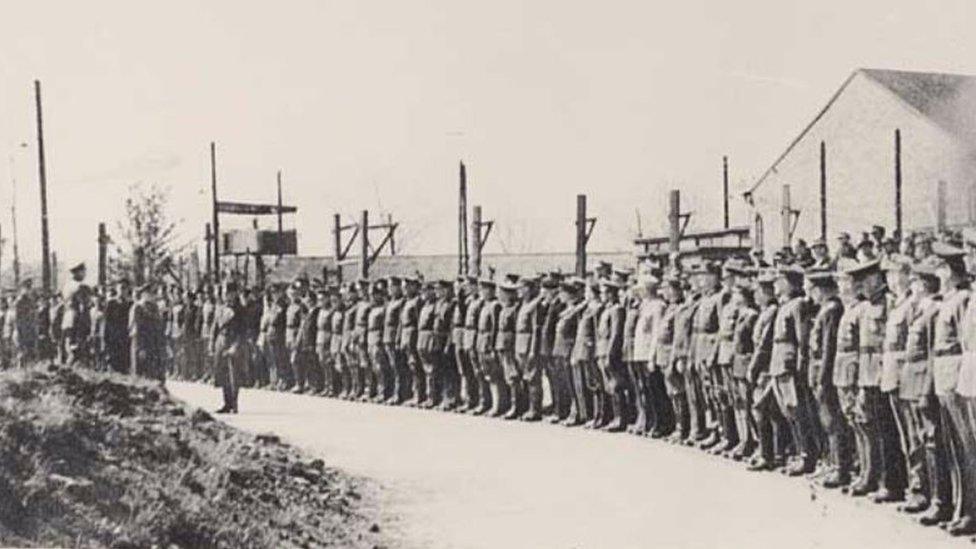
{"x":460,"y":274}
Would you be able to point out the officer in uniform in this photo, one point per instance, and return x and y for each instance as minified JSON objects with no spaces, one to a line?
{"x":505,"y":351}
{"x":25,"y":325}
{"x":294,"y":315}
{"x":897,"y":435}
{"x":375,"y":326}
{"x":930,"y":487}
{"x":587,"y":380}
{"x":872,"y":414}
{"x":767,"y":417}
{"x":349,"y":348}
{"x":359,"y":342}
{"x":703,"y":354}
{"x":407,"y":341}
{"x":396,"y":360}
{"x":207,"y":311}
{"x":821,"y":286}
{"x":674,"y":402}
{"x":492,"y":378}
{"x":788,"y":368}
{"x":527,"y":335}
{"x":343,"y":378}
{"x":742,"y":349}
{"x":609,"y":355}
{"x":429,"y":360}
{"x":569,"y":405}
{"x":725,"y":354}
{"x":76,"y":321}
{"x":307,"y":334}
{"x":443,"y":345}
{"x":146,"y":334}
{"x":479,"y":400}
{"x":461,"y":358}
{"x":225,"y":345}
{"x":950,"y":323}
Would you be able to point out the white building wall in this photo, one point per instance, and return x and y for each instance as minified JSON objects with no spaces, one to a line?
{"x":858,"y":131}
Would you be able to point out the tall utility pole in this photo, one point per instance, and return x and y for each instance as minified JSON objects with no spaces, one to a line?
{"x":364,"y":245}
{"x":280,"y":232}
{"x":42,"y":178}
{"x":206,"y":239}
{"x":789,"y":216}
{"x":216,"y":221}
{"x":584,"y":227}
{"x":940,"y":207}
{"x":478,"y":238}
{"x":102,"y":254}
{"x":898,"y":181}
{"x":463,"y":221}
{"x":725,"y":189}
{"x":823,"y":191}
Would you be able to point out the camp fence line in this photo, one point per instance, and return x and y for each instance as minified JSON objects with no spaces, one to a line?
{"x":856,"y":368}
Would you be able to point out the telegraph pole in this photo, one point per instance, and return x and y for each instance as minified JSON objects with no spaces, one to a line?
{"x":725,"y":189}
{"x":584,"y":227}
{"x":13,"y":218}
{"x":898,"y":181}
{"x":463,"y":221}
{"x":102,"y":254}
{"x":42,"y":178}
{"x":216,"y":221}
{"x":280,"y":239}
{"x":364,"y":245}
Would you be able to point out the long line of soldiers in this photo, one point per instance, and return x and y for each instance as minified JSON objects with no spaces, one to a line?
{"x":857,"y":370}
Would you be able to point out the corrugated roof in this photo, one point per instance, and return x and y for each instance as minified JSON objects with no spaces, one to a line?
{"x":940,"y":97}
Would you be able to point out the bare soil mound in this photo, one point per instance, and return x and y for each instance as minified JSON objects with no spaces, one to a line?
{"x":98,"y":460}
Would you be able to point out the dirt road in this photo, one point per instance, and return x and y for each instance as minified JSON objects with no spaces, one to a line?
{"x":452,"y":481}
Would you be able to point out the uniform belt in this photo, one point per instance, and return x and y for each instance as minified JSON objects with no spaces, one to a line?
{"x":955,"y":351}
{"x":869,"y":349}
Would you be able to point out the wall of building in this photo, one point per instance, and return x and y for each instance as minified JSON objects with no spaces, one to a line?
{"x":858,"y":131}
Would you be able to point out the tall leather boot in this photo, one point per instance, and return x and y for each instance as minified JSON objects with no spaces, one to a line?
{"x":617,"y":422}
{"x":534,"y":413}
{"x":515,"y":390}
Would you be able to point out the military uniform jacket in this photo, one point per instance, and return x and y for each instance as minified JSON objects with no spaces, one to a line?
{"x":409,"y":316}
{"x":307,"y":331}
{"x":115,"y":324}
{"x":472,"y":315}
{"x":547,"y":316}
{"x":457,"y":321}
{"x":293,"y":323}
{"x":525,"y":325}
{"x":425,"y":328}
{"x":146,"y":333}
{"x":762,"y":342}
{"x":664,"y":336}
{"x":610,"y":333}
{"x":681,"y":344}
{"x":443,"y":309}
{"x":966,"y":384}
{"x":947,"y":345}
{"x":743,"y":345}
{"x":646,"y":325}
{"x":176,"y":321}
{"x":584,"y":347}
{"x":338,"y":321}
{"x":726,"y":333}
{"x":391,"y":321}
{"x":76,"y":318}
{"x":349,"y":328}
{"x":631,"y":311}
{"x":873,"y":317}
{"x":565,"y":332}
{"x":507,"y":317}
{"x":705,"y":328}
{"x":228,"y":330}
{"x":206,"y":326}
{"x":375,"y":327}
{"x":790,"y":334}
{"x":916,"y":379}
{"x":902,"y":309}
{"x":25,"y":323}
{"x":363,"y":309}
{"x":848,"y":345}
{"x":823,"y":343}
{"x":323,"y":331}
{"x":488,"y":326}
{"x":191,"y":320}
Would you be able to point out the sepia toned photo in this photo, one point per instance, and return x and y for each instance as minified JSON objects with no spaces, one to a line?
{"x":521,"y":274}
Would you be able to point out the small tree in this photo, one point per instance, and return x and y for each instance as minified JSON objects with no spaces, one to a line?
{"x":146,"y":247}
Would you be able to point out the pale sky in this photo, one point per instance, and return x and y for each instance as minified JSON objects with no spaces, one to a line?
{"x":370,"y":104}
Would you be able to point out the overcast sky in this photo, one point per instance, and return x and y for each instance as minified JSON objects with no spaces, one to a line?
{"x":369,"y":104}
